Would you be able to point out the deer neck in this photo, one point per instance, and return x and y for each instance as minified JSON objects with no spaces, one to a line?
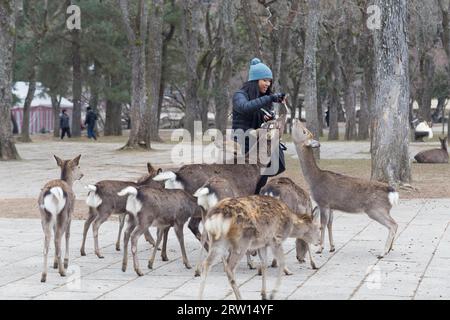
{"x":308,"y":163}
{"x":66,"y":176}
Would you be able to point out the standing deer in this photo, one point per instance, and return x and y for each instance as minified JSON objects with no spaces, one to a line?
{"x":434,"y":155}
{"x":333,"y":191}
{"x":162,"y":208}
{"x":56,"y":204}
{"x":299,"y":202}
{"x":103,"y":201}
{"x":256,"y":222}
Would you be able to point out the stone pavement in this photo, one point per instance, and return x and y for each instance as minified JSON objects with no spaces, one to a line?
{"x":418,"y":268}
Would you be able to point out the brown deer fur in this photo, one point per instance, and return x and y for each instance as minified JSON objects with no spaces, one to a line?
{"x":56,"y":204}
{"x":434,"y":155}
{"x":253,"y":223}
{"x":333,"y":191}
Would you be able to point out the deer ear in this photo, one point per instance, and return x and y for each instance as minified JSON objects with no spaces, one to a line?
{"x":59,"y":162}
{"x":158,"y":171}
{"x":76,"y":161}
{"x":150,"y":168}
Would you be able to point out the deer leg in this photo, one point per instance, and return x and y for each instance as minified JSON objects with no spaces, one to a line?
{"x":164,"y":246}
{"x":323,"y":224}
{"x":159,"y":234}
{"x":193,"y":224}
{"x":55,"y":258}
{"x":212,"y":253}
{"x":97,"y":223}
{"x":250,"y":263}
{"x":137,"y":232}
{"x":277,"y":250}
{"x":48,"y":235}
{"x":313,"y":264}
{"x":87,"y":224}
{"x":263,"y":258}
{"x":66,"y":254}
{"x":200,"y":259}
{"x":383,"y":217}
{"x":131,"y":224}
{"x":231,"y":279}
{"x":121,"y":223}
{"x":300,"y":248}
{"x":149,"y":238}
{"x":58,"y":238}
{"x":179,"y":233}
{"x":330,"y":230}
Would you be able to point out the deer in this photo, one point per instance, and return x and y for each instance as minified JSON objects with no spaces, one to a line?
{"x":254,"y":222}
{"x":191,"y":177}
{"x":299,"y":202}
{"x":103,"y":201}
{"x":163,"y":208}
{"x":334,"y":191}
{"x":56,"y":204}
{"x":434,"y":155}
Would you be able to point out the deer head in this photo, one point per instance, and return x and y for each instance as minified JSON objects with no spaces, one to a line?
{"x":302,"y":136}
{"x":70,"y":169}
{"x":151,"y":174}
{"x":443,"y":143}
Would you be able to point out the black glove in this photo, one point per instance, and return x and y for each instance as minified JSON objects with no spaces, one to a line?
{"x":278,"y":97}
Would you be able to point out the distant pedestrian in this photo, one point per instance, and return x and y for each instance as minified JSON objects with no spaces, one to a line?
{"x":327,"y":118}
{"x":64,"y":121}
{"x":91,"y":119}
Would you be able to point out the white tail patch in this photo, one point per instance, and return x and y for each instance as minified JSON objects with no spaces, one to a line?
{"x":134,"y":205}
{"x":201,"y":192}
{"x":55,"y":201}
{"x":217,"y":226}
{"x":166,"y":175}
{"x":93,"y":200}
{"x":393,"y":198}
{"x":170,"y":179}
{"x":206,"y":199}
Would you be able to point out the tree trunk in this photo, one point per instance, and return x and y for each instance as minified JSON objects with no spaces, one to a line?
{"x":426,"y":87}
{"x":309,"y":80}
{"x":56,"y":111}
{"x":333,"y":133}
{"x":154,"y":66}
{"x":8,"y":149}
{"x":350,"y":111}
{"x":364,"y":116}
{"x":25,"y":134}
{"x":76,"y":83}
{"x":113,"y":121}
{"x":252,"y":28}
{"x":390,"y":139}
{"x":137,"y":39}
{"x":190,"y":35}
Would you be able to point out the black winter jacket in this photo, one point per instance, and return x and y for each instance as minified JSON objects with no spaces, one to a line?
{"x":91,"y":117}
{"x":247,"y":113}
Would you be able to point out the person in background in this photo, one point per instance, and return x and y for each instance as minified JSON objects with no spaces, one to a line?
{"x":64,"y":124}
{"x":91,"y":119}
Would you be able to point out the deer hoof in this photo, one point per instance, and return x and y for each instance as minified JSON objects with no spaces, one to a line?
{"x":117,"y":248}
{"x":274,"y":263}
{"x":82,"y":252}
{"x":44,"y":277}
{"x":66,"y":264}
{"x":139,"y":273}
{"x":313,"y":265}
{"x":164,"y":258}
{"x":99,"y":256}
{"x":188,"y":266}
{"x":197,"y":273}
{"x":301,"y":260}
{"x":381,"y":256}
{"x":62,"y":273}
{"x":124,"y":267}
{"x":287,"y":272}
{"x":55,"y":265}
{"x":259,"y":272}
{"x":263,"y":296}
{"x":319,"y":251}
{"x":332,"y":249}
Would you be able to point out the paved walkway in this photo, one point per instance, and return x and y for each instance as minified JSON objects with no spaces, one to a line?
{"x":418,"y":268}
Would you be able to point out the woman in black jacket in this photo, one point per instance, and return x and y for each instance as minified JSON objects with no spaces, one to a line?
{"x":248,"y":102}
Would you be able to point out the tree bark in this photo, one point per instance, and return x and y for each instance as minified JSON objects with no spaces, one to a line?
{"x":8,"y":149}
{"x":25,"y":134}
{"x":113,"y":121}
{"x":190,"y":38}
{"x":350,"y":112}
{"x":154,"y":64}
{"x":15,"y":127}
{"x":390,"y":139}
{"x":309,"y":80}
{"x":56,"y":111}
{"x":252,"y":28}
{"x":76,"y":83}
{"x":137,"y":39}
{"x":364,"y":116}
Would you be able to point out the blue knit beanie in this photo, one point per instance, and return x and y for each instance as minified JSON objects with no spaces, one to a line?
{"x":259,"y":70}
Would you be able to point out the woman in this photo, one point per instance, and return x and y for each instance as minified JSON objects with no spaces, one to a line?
{"x":248,"y":102}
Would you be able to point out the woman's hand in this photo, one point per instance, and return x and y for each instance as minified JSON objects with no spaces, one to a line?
{"x":279,"y":97}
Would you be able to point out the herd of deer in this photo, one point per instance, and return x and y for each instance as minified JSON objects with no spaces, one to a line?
{"x":236,"y":222}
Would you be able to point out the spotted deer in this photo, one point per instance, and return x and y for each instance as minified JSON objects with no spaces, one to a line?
{"x":103,"y":201}
{"x":56,"y":204}
{"x":299,"y":202}
{"x":333,"y":191}
{"x":255,"y":222}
